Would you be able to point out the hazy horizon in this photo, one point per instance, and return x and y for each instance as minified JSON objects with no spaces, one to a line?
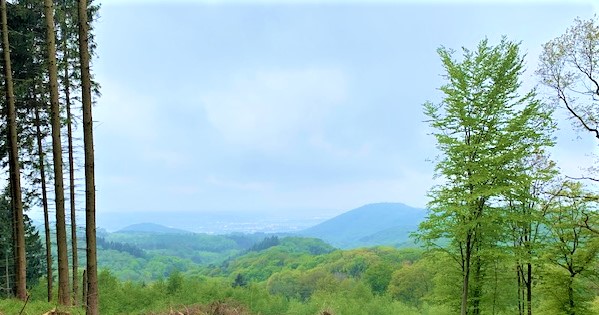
{"x":276,"y":108}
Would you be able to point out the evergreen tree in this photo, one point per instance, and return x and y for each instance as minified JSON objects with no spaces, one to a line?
{"x":61,"y":237}
{"x":13,"y":160}
{"x":33,"y":245}
{"x":88,"y":139}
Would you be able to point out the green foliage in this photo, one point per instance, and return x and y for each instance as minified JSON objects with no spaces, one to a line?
{"x":174,"y":283}
{"x":485,"y":131}
{"x":36,"y":263}
{"x":573,"y":251}
{"x":13,"y":306}
{"x":564,"y":294}
{"x":144,"y":256}
{"x":266,"y":243}
{"x":412,"y":282}
{"x":239,"y":281}
{"x":378,"y":276}
{"x":380,"y":280}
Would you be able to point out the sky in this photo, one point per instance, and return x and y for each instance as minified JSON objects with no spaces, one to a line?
{"x":289,"y":108}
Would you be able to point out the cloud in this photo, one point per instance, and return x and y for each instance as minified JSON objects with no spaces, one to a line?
{"x":268,"y":109}
{"x":126,"y":113}
{"x":249,"y":186}
{"x":409,"y":187}
{"x":168,"y":159}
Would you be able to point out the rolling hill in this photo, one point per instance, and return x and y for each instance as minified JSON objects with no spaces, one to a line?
{"x":370,"y":225}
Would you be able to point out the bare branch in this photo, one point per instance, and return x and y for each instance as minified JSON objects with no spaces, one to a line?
{"x":583,"y":178}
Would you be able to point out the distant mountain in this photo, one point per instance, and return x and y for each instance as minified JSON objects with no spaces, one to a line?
{"x":370,"y":225}
{"x":151,"y":228}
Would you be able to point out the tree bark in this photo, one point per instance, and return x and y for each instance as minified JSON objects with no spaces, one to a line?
{"x":61,"y":237}
{"x":15,"y":176}
{"x":529,"y":289}
{"x":572,"y":310}
{"x":84,"y":286}
{"x":476,"y":290}
{"x":466,"y":275}
{"x":67,"y":94}
{"x":40,"y":150}
{"x":520,"y":285}
{"x":90,"y":188}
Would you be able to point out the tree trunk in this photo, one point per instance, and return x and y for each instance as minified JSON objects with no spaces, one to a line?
{"x":13,"y":161}
{"x":67,"y":94}
{"x":529,"y":289}
{"x":466,"y":276}
{"x":61,"y":235}
{"x":84,"y":286}
{"x":90,"y":187}
{"x":40,"y":150}
{"x":477,"y":290}
{"x":571,"y":304}
{"x":519,"y":277}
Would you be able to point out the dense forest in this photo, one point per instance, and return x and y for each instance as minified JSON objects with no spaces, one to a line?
{"x":48,"y":91}
{"x":505,"y":232}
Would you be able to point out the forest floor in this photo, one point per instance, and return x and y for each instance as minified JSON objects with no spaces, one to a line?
{"x":216,"y":308}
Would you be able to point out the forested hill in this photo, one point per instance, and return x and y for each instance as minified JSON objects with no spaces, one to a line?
{"x":370,"y":225}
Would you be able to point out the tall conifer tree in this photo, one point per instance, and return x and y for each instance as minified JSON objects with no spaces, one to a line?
{"x":61,"y":238}
{"x":13,"y":160}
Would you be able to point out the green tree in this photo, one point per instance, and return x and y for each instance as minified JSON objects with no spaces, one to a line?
{"x":33,"y":247}
{"x":27,"y":35}
{"x":378,"y":276}
{"x":412,"y":282}
{"x":484,"y":129}
{"x":526,"y":211}
{"x":573,"y":250}
{"x":88,"y":143}
{"x":61,"y":234}
{"x":239,"y":281}
{"x":13,"y":161}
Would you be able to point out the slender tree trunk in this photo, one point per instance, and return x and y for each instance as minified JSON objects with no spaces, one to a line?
{"x":40,"y":150}
{"x":13,"y":161}
{"x":477,"y":290}
{"x":6,"y":272}
{"x":67,"y":94}
{"x":84,"y":286}
{"x":466,"y":275}
{"x":90,"y":187}
{"x":529,"y":289}
{"x":520,"y":285}
{"x":61,"y":235}
{"x":572,"y":310}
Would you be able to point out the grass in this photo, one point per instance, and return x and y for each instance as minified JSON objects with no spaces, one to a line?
{"x":14,"y":306}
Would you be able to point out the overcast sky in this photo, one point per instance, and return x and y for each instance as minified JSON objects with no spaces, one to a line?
{"x":303,"y":107}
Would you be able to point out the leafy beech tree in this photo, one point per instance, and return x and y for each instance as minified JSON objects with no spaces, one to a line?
{"x":573,"y":250}
{"x":526,"y":210}
{"x":485,"y":130}
{"x":569,"y":65}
